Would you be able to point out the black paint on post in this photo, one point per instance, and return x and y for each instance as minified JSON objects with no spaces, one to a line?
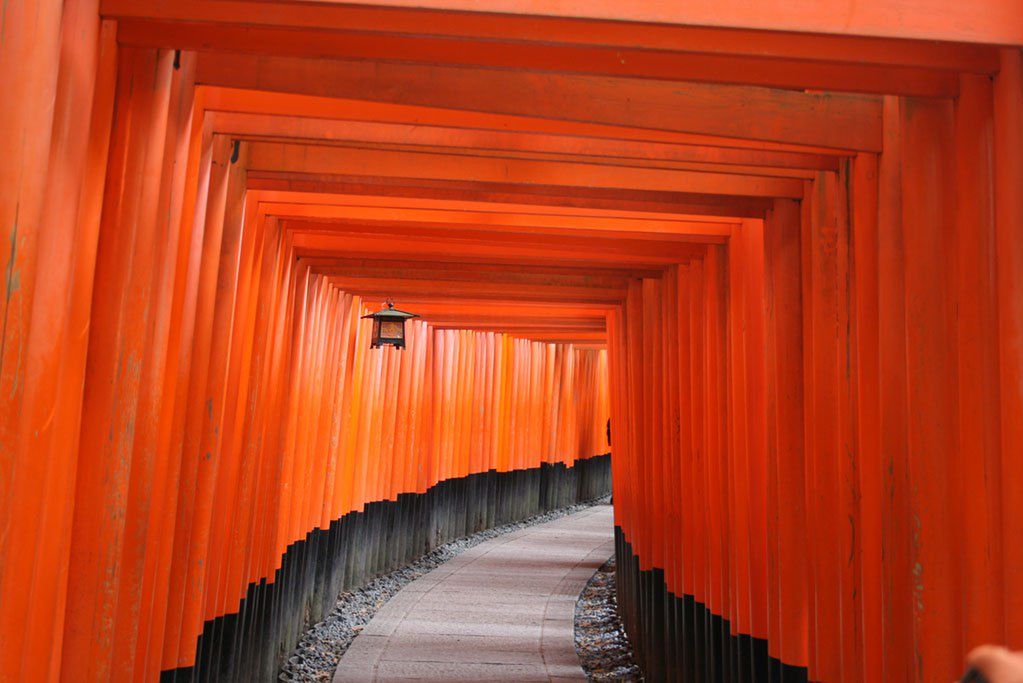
{"x":676,"y":638}
{"x":250,"y":644}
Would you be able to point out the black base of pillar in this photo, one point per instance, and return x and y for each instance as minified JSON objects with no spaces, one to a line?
{"x":676,"y":638}
{"x":251,"y":644}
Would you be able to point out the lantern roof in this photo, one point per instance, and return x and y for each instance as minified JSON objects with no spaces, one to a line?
{"x":389,"y":311}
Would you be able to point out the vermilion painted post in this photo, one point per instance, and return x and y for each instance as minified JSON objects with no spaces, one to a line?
{"x":294,"y":383}
{"x":118,"y":354}
{"x":928,"y":229}
{"x":738,"y":414}
{"x":29,"y":58}
{"x":37,"y":479}
{"x":342,"y":411}
{"x":176,"y":649}
{"x":308,"y":381}
{"x":774,"y":425}
{"x":697,"y":573}
{"x":251,"y":360}
{"x":148,"y":464}
{"x":185,"y":135}
{"x":635,"y":388}
{"x":824,"y":486}
{"x":851,"y":593}
{"x":211,"y":452}
{"x":754,"y":272}
{"x":352,"y":419}
{"x":616,"y":372}
{"x":192,"y":221}
{"x":718,"y":599}
{"x":653,"y":370}
{"x":268,"y":433}
{"x":674,"y":433}
{"x":897,"y":658}
{"x":789,"y":585}
{"x":978,"y":452}
{"x":235,"y":482}
{"x":865,"y":251}
{"x":1008,"y":177}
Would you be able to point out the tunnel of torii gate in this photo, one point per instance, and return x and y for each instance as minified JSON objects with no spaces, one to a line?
{"x":779,"y":245}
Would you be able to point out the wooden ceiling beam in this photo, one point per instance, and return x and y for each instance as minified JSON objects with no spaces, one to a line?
{"x":509,"y":276}
{"x":443,"y":305}
{"x":839,"y":44}
{"x":670,"y":65}
{"x":316,"y":159}
{"x":483,"y":322}
{"x":845,"y":122}
{"x":573,"y":337}
{"x":666,"y":246}
{"x":491,"y":141}
{"x":481,"y":270}
{"x":334,"y":199}
{"x":283,"y":103}
{"x":637,"y":201}
{"x":580,"y":253}
{"x":504,"y":222}
{"x":396,"y":287}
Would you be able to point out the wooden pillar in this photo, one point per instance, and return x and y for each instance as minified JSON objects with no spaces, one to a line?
{"x":832,"y":491}
{"x":148,"y":459}
{"x":897,"y":662}
{"x":29,"y":60}
{"x":177,"y":651}
{"x":975,"y":473}
{"x":869,"y":550}
{"x":118,"y":355}
{"x":786,"y":518}
{"x":754,"y":274}
{"x":719,"y":599}
{"x":191,"y":221}
{"x":928,"y":222}
{"x":739,"y":441}
{"x":41,"y":347}
{"x":1008,"y":178}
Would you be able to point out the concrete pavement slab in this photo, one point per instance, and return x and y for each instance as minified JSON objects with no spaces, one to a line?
{"x":501,"y":611}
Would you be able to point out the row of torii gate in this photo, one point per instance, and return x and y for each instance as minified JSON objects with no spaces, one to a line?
{"x":779,"y":246}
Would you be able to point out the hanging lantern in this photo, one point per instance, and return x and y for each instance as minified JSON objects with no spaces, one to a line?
{"x":389,"y":326}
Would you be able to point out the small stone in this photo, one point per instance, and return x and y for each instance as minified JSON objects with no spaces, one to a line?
{"x":600,"y":640}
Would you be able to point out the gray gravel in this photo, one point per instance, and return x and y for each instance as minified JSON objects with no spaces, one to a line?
{"x":320,"y":648}
{"x":600,"y":639}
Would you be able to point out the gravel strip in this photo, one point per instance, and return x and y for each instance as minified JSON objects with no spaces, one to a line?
{"x":320,"y":649}
{"x":600,"y":639}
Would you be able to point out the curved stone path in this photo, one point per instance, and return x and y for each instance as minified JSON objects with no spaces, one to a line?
{"x":500,"y":611}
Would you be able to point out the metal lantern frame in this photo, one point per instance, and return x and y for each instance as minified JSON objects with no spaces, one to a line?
{"x":389,"y":326}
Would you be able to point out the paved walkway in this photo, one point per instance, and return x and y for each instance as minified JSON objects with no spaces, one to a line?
{"x":501,"y":611}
